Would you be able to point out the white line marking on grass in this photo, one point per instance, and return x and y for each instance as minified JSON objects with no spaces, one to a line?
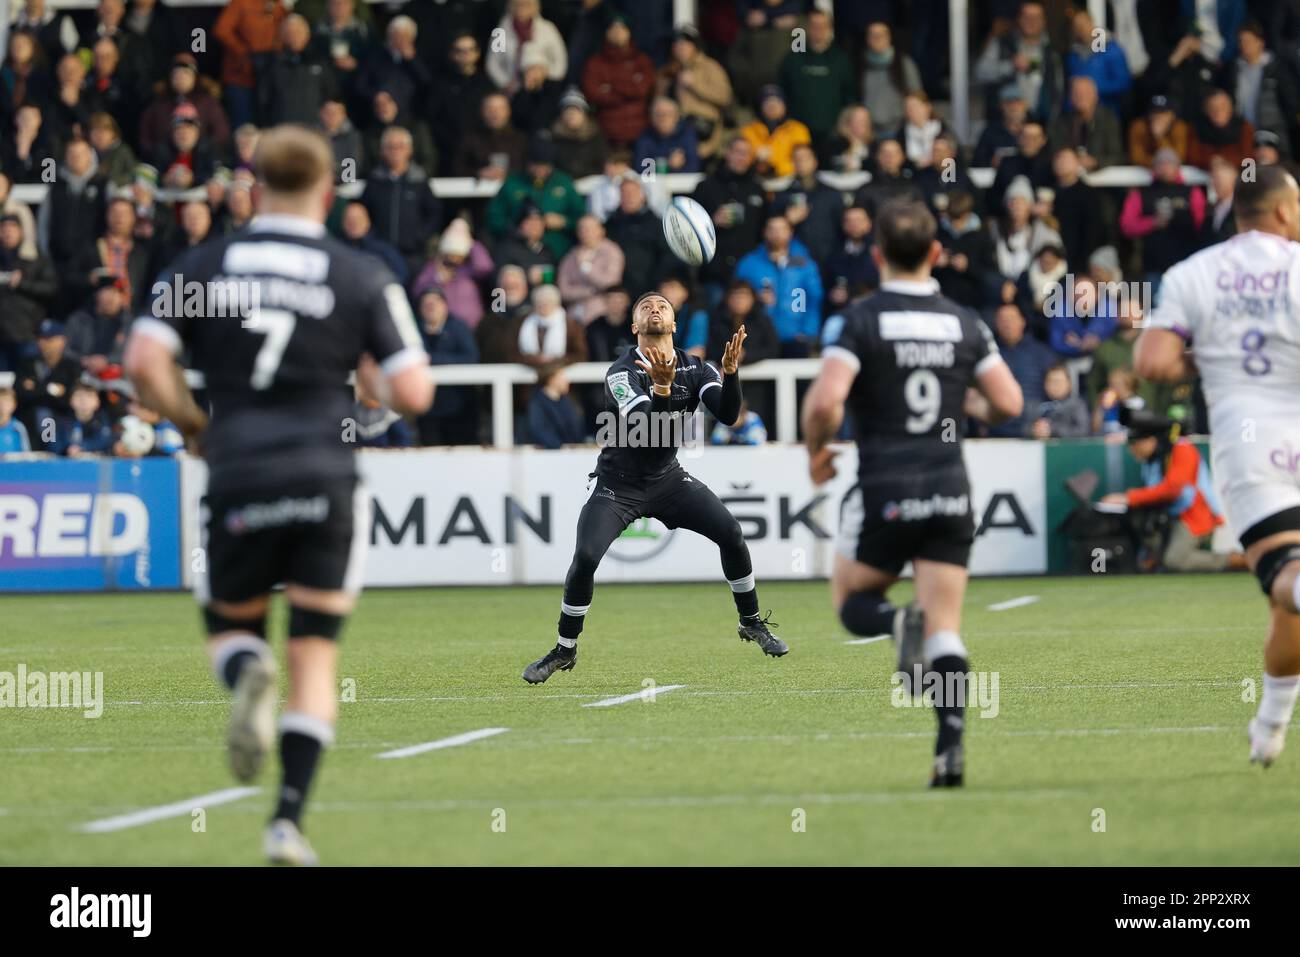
{"x":868,"y":641}
{"x":456,"y":739}
{"x":1014,"y":603}
{"x":176,"y":809}
{"x":645,"y":694}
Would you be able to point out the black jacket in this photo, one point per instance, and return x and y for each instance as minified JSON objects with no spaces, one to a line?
{"x":734,"y":241}
{"x":403,"y":210}
{"x":22,"y":307}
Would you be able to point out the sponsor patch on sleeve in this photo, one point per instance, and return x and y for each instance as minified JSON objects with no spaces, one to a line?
{"x":620,"y":388}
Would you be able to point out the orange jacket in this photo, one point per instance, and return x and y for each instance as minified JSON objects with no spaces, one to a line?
{"x":1181,"y":476}
{"x":244,"y":28}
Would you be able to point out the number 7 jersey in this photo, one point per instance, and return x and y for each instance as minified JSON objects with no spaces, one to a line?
{"x":916,"y":352}
{"x":275,"y":317}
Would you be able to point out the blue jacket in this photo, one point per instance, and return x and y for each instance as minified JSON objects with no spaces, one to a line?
{"x":650,"y":145}
{"x":798,"y":287}
{"x":454,"y":345}
{"x":1029,"y":361}
{"x":1102,"y":325}
{"x":553,"y":422}
{"x":1108,"y":69}
{"x":93,"y":436}
{"x":13,"y":437}
{"x":1230,"y":15}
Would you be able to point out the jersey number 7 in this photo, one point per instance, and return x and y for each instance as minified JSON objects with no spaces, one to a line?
{"x":277,"y":325}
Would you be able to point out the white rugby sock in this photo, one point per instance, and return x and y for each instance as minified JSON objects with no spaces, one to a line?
{"x":942,"y":644}
{"x":1278,"y":702}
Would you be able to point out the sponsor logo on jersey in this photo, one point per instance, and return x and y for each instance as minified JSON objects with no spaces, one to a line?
{"x":284,"y":511}
{"x":620,"y":388}
{"x":914,"y":324}
{"x":919,"y":509}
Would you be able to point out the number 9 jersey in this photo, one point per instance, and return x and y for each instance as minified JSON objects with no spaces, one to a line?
{"x":915,"y":353}
{"x":1232,"y":303}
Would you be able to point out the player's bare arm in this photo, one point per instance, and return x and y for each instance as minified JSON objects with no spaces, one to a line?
{"x":408,"y":392}
{"x":823,"y":412}
{"x":160,"y":384}
{"x":1161,"y":355}
{"x":996,"y":396}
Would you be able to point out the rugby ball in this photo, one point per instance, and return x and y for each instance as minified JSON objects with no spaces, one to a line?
{"x":137,"y":436}
{"x":689,"y":231}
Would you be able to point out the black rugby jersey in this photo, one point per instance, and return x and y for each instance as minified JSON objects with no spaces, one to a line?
{"x":275,"y":316}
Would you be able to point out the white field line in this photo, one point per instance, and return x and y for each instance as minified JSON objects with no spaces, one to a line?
{"x":176,"y":809}
{"x":645,"y":694}
{"x":1014,"y":603}
{"x":868,"y":641}
{"x":454,"y":741}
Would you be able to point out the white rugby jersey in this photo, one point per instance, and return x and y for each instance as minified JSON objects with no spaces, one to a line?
{"x":1238,"y":304}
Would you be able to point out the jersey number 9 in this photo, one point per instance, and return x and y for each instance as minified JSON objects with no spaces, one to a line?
{"x":923,"y":396}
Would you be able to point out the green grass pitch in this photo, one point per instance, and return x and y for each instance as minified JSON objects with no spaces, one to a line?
{"x":1120,"y":697}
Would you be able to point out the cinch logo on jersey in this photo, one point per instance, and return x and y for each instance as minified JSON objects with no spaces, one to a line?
{"x":39,"y":524}
{"x":285,"y":511}
{"x":133,"y":911}
{"x":919,"y":509}
{"x":53,"y":689}
{"x":924,"y":355}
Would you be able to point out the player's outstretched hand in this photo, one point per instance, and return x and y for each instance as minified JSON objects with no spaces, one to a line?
{"x":821,"y":465}
{"x":732,"y":354}
{"x":662,"y":366}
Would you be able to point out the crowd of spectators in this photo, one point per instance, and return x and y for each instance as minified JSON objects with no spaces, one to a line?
{"x":118,"y":109}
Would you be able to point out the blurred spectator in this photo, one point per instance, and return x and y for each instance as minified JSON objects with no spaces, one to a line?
{"x":73,"y":211}
{"x":788,"y":285}
{"x":1096,"y":54}
{"x":536,"y":103}
{"x":1032,"y":160}
{"x":580,"y":146}
{"x":358,"y":234}
{"x":610,"y":335}
{"x":27,"y":287}
{"x":1220,"y":131}
{"x":589,"y":270}
{"x":692,"y":320}
{"x":248,"y":30}
{"x":1034,"y":288}
{"x":818,"y":81}
{"x":945,"y":173}
{"x":748,"y":430}
{"x":1214,"y":26}
{"x":920,"y":129}
{"x":54,"y":31}
{"x":458,"y":93}
{"x":460,"y":264}
{"x":97,"y":335}
{"x":740,"y":307}
{"x":44,"y":383}
{"x":117,"y":251}
{"x":13,"y":434}
{"x":888,"y":77}
{"x":892,"y":178}
{"x":350,"y":157}
{"x":66,"y":112}
{"x":341,"y":39}
{"x":1115,"y":355}
{"x":238,"y":209}
{"x":523,"y":27}
{"x":23,"y":154}
{"x":542,"y":185}
{"x":193,"y":226}
{"x":183,"y":86}
{"x":167,"y":439}
{"x":850,"y":271}
{"x":155,"y":37}
{"x":1060,"y":414}
{"x":1219,"y":222}
{"x":1090,"y":128}
{"x":22,"y":81}
{"x":849,"y":148}
{"x":453,"y":419}
{"x":668,"y":144}
{"x":1000,"y":137}
{"x":1080,"y":322}
{"x":87,"y":431}
{"x":9,"y":206}
{"x":1029,"y":361}
{"x":1160,"y":128}
{"x":184,"y":160}
{"x":115,"y":159}
{"x":638,"y":231}
{"x":297,"y":80}
{"x":396,"y":68}
{"x":1078,"y":208}
{"x":497,"y":334}
{"x":1266,"y":152}
{"x":607,"y":195}
{"x":402,"y":207}
{"x":1023,"y":56}
{"x":618,"y":82}
{"x":1265,"y":93}
{"x":733,"y":196}
{"x":547,"y":334}
{"x":967,"y":266}
{"x":245,"y":141}
{"x":1019,"y":233}
{"x":764,"y":41}
{"x":1166,"y":216}
{"x":774,"y":135}
{"x":496,"y":147}
{"x":527,"y":247}
{"x":701,"y":86}
{"x":386,"y":115}
{"x":553,"y":421}
{"x":810,"y":206}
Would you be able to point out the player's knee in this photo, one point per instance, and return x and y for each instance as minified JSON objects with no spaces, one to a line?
{"x":307,"y":623}
{"x":862,"y":611}
{"x":586,"y":559}
{"x":732,"y":537}
{"x":217,"y":623}
{"x":1277,"y":574}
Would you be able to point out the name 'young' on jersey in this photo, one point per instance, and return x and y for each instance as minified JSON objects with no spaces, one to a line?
{"x":275,"y":317}
{"x":916,"y":352}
